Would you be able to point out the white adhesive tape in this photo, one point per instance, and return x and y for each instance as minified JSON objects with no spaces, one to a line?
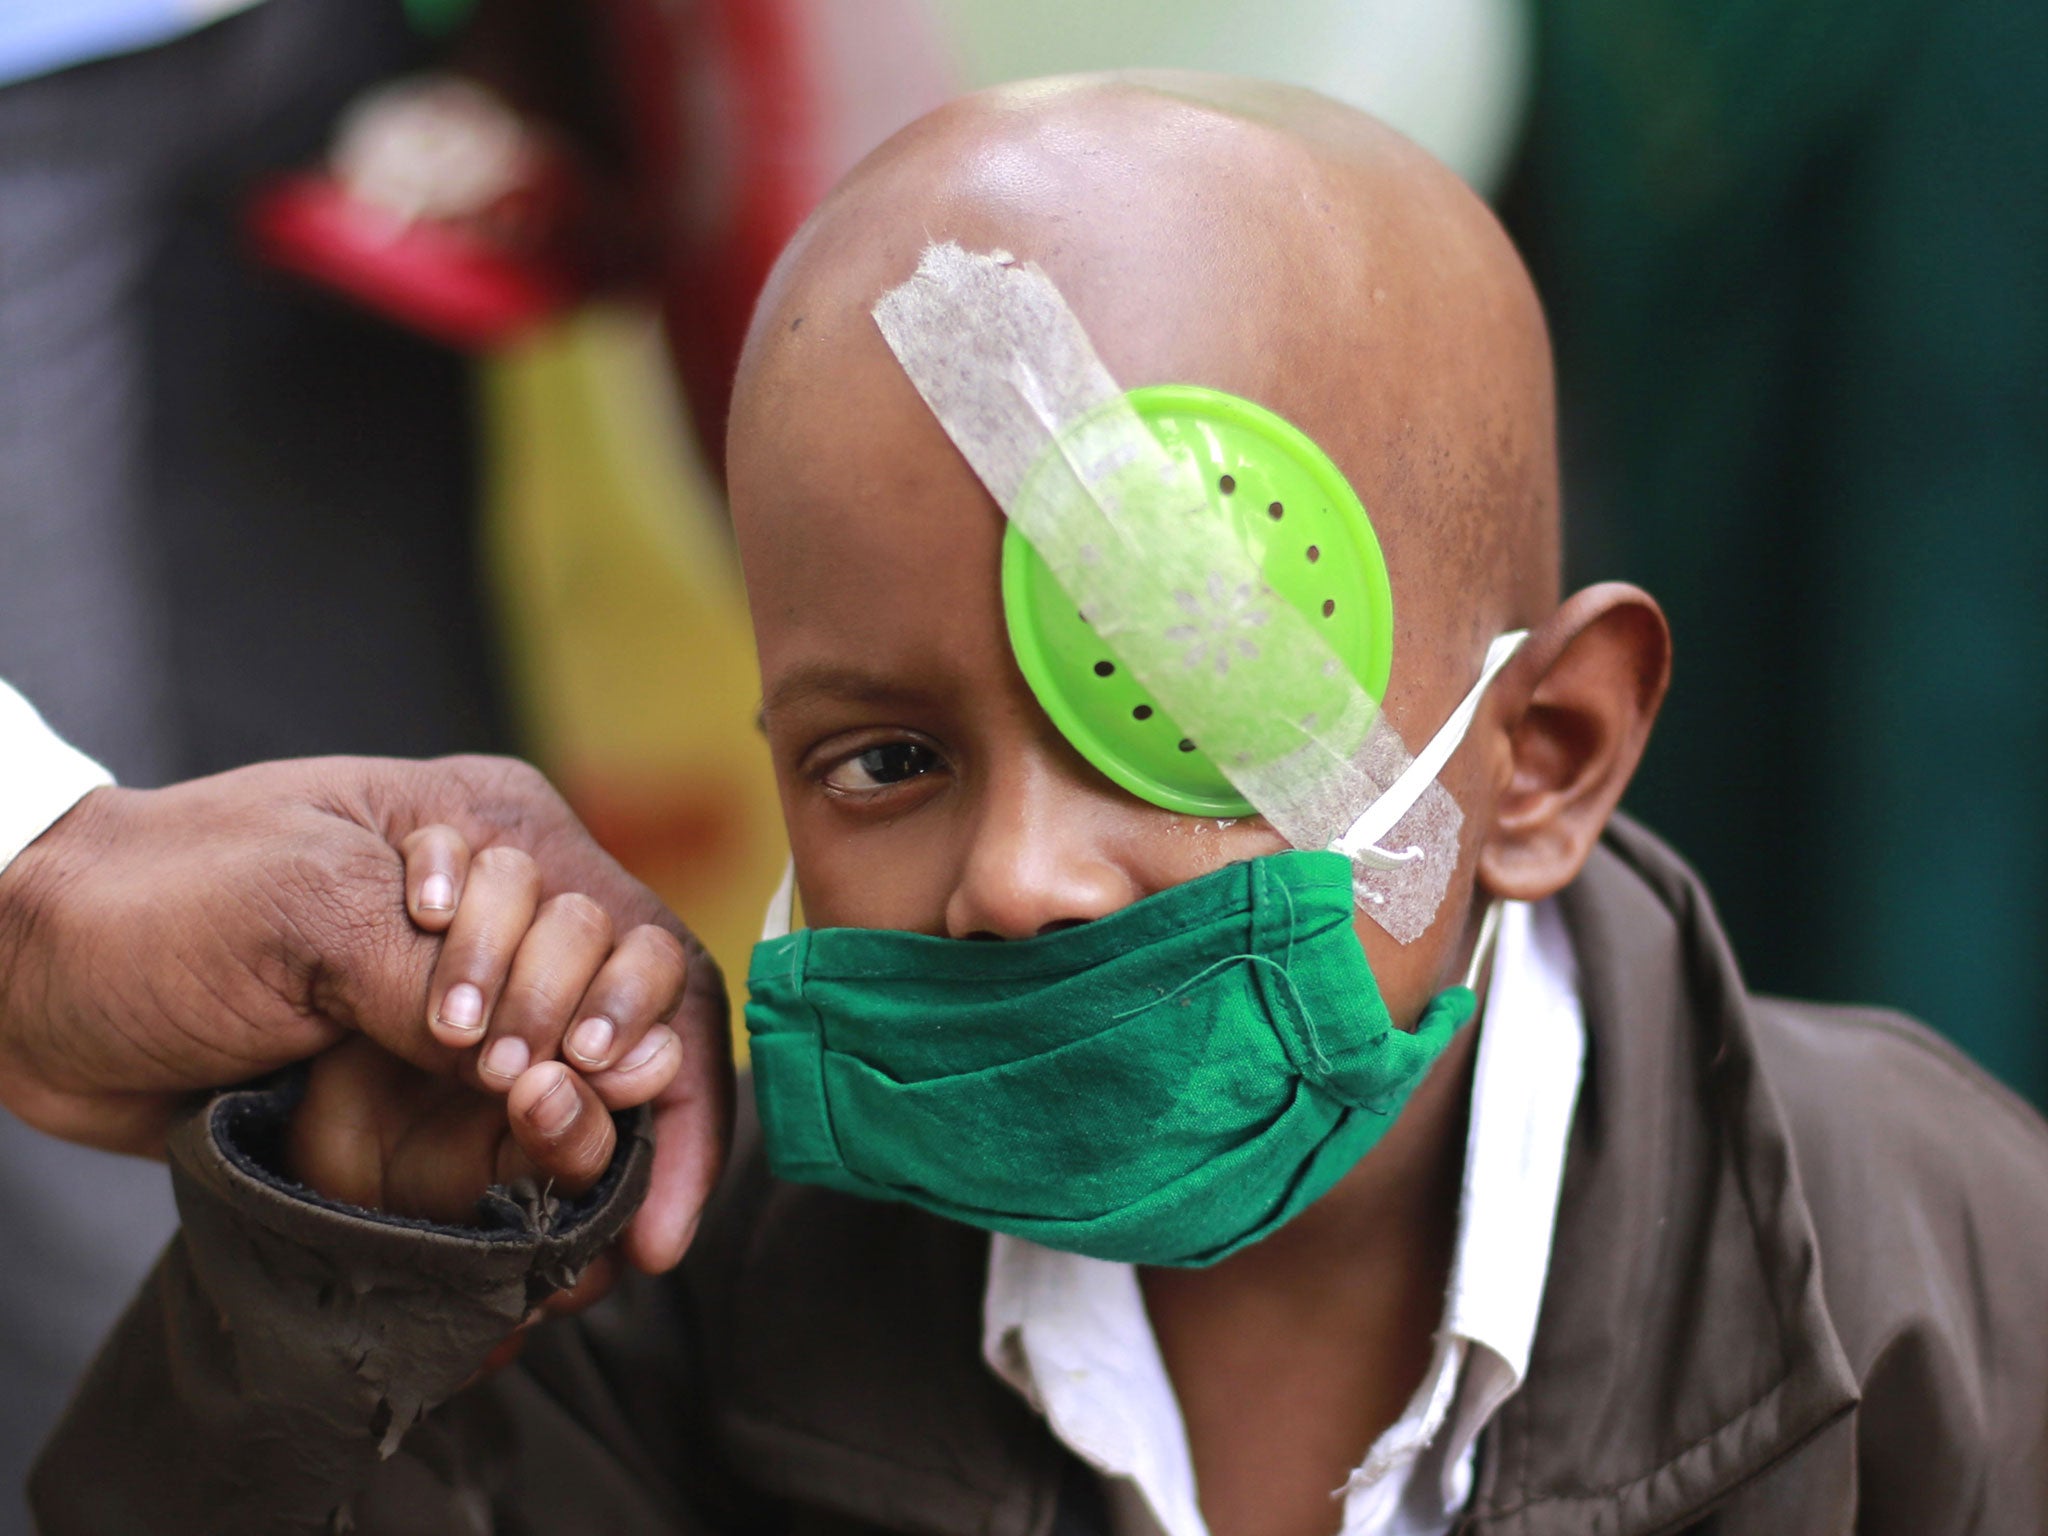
{"x":1130,"y":534}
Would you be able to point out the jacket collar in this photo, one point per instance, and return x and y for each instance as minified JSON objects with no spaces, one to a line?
{"x":1683,"y":1344}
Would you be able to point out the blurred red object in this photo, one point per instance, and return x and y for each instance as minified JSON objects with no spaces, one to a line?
{"x":439,"y":206}
{"x":459,"y":216}
{"x":743,"y":113}
{"x":435,"y":277}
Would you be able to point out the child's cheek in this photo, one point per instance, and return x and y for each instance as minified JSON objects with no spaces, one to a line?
{"x":1184,"y":848}
{"x":1409,"y":975}
{"x":891,"y":876}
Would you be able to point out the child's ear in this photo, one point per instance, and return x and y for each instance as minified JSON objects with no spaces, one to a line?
{"x":1599,"y":668}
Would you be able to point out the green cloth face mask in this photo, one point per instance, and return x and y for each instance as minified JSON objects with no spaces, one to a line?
{"x":1164,"y":1085}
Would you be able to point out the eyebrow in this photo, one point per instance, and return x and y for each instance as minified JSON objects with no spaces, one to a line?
{"x":836,"y":680}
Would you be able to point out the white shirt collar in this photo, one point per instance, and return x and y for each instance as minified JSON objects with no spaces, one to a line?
{"x":1071,"y":1334}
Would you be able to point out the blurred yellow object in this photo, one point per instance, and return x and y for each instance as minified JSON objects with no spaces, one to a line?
{"x":624,"y":622}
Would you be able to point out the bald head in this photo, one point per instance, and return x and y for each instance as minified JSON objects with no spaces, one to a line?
{"x":1257,"y":239}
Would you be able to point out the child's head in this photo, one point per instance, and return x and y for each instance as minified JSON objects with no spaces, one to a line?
{"x":1253,"y":239}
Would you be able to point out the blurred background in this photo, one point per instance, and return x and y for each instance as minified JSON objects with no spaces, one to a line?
{"x":362,"y":371}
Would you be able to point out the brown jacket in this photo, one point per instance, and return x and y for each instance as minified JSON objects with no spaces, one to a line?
{"x":1800,"y":1285}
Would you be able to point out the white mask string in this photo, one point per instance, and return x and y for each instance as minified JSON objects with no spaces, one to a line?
{"x":781,"y":914}
{"x":1482,"y":949}
{"x":1361,"y":842}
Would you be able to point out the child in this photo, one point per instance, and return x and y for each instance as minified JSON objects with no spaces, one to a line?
{"x":1281,"y":1249}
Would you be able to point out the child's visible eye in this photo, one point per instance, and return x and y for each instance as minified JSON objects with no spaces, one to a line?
{"x":893,"y":762}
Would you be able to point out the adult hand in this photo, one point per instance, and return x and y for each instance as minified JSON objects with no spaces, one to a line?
{"x":156,"y":943}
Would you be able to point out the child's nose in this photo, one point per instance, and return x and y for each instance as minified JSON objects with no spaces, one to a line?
{"x":1038,"y":861}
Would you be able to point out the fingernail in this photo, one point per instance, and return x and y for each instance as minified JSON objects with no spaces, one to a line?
{"x":651,"y":1044}
{"x":462,"y":1010}
{"x":591,"y":1040}
{"x":553,"y":1110}
{"x":505,"y":1058}
{"x":437,"y":894}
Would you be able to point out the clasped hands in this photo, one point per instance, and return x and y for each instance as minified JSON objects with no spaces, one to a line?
{"x":547,"y":1018}
{"x":473,"y":983}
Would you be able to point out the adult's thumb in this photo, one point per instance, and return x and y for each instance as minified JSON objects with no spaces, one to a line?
{"x":369,"y":967}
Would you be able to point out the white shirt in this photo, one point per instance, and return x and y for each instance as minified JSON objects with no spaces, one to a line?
{"x":40,"y":776}
{"x":1072,"y":1336}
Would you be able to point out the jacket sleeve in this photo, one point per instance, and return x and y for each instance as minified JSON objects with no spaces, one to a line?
{"x":284,"y":1347}
{"x":1927,"y":1183}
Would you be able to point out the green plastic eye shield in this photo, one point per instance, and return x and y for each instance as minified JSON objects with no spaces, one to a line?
{"x":1303,"y":526}
{"x":1207,"y":563}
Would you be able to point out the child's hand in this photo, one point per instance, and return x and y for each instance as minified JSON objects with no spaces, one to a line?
{"x":521,"y":981}
{"x":380,"y":1133}
{"x":377,"y":1132}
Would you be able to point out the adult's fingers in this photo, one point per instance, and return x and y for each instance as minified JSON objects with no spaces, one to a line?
{"x":639,"y":986}
{"x":495,"y":801}
{"x":436,"y":866}
{"x":692,"y":1127}
{"x":561,"y":1126}
{"x":476,"y":957}
{"x":382,"y":986}
{"x":566,"y":946}
{"x":132,"y":1123}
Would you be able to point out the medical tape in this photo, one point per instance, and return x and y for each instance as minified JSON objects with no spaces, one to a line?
{"x":1160,"y":572}
{"x":1380,"y":818}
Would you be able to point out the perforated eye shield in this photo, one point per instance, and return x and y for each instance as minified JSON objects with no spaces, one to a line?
{"x":1193,"y":590}
{"x":1304,"y":532}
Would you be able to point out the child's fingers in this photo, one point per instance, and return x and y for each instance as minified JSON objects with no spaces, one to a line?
{"x":436,"y":865}
{"x":639,"y":986}
{"x":562,"y":951}
{"x":644,"y":1074}
{"x":498,"y":902}
{"x":561,"y":1126}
